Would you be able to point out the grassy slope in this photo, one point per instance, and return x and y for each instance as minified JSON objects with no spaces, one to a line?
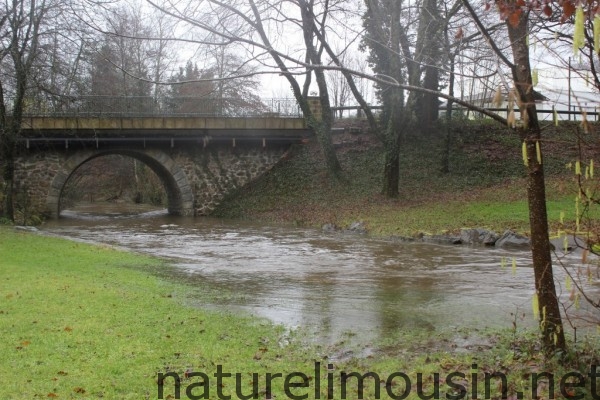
{"x":86,"y":322}
{"x":78,"y":321}
{"x":485,"y":186}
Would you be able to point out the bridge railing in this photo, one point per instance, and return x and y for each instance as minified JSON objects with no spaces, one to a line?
{"x":544,"y":114}
{"x":148,"y":106}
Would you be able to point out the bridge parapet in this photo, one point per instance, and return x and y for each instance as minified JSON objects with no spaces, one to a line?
{"x":69,"y":131}
{"x":148,"y":106}
{"x":184,"y":124}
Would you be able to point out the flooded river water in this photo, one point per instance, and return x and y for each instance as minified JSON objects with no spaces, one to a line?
{"x":330,"y":284}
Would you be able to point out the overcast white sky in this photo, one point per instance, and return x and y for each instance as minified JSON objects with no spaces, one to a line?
{"x":553,"y":82}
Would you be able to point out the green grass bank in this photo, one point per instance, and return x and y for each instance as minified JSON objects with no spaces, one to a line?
{"x":485,"y":185}
{"x":81,"y":321}
{"x":90,"y":322}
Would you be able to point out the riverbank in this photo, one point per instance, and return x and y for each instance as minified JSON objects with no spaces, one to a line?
{"x":484,"y":188}
{"x":82,"y":321}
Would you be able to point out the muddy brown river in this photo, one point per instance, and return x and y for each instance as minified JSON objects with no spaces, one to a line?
{"x":334,"y":285}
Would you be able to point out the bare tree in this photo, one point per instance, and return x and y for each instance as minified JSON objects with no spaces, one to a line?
{"x":340,"y":91}
{"x":517,"y":25}
{"x":161,"y":51}
{"x":383,"y":24}
{"x":237,"y":96}
{"x":190,"y":85}
{"x":249,"y":23}
{"x":21,"y":29}
{"x":120,"y":58}
{"x":384,"y":38}
{"x":428,"y":56}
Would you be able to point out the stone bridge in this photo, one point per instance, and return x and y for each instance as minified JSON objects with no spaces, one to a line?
{"x":198,"y":159}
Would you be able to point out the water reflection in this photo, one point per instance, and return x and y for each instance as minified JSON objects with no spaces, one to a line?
{"x":331,"y":284}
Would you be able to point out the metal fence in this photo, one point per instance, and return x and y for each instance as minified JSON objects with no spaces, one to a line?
{"x":147,"y":106}
{"x":544,"y":114}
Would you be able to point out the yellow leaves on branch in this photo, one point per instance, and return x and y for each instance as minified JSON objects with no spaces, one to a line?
{"x":525,"y":118}
{"x":570,"y":7}
{"x":538,"y":153}
{"x":578,"y":34}
{"x":511,"y":120}
{"x":584,"y":122}
{"x":498,"y":97}
{"x":514,"y":266}
{"x":513,"y":10}
{"x":577,"y":214}
{"x":535,"y":306}
{"x":597,"y":33}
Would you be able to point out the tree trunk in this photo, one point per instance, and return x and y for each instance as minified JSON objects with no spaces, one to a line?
{"x":322,"y":126}
{"x":10,"y":130}
{"x":8,"y":173}
{"x":430,"y":40}
{"x":395,"y":112}
{"x":323,"y":133}
{"x":23,"y":30}
{"x":551,"y":327}
{"x":445,"y":164}
{"x":429,"y":111}
{"x":550,"y":323}
{"x":391,"y":169}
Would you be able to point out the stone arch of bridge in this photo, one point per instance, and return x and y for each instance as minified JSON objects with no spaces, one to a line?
{"x":179,"y":192}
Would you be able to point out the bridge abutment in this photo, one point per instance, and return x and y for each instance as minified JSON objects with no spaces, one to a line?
{"x":196,"y":178}
{"x":220,"y":170}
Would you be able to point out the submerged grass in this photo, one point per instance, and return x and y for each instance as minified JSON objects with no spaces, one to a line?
{"x":89,"y":322}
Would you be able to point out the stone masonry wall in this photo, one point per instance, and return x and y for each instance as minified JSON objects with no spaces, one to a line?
{"x":210,"y":172}
{"x":217,"y":170}
{"x":34,"y":173}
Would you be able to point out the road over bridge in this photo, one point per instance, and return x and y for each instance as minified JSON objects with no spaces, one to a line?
{"x":199,"y":159}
